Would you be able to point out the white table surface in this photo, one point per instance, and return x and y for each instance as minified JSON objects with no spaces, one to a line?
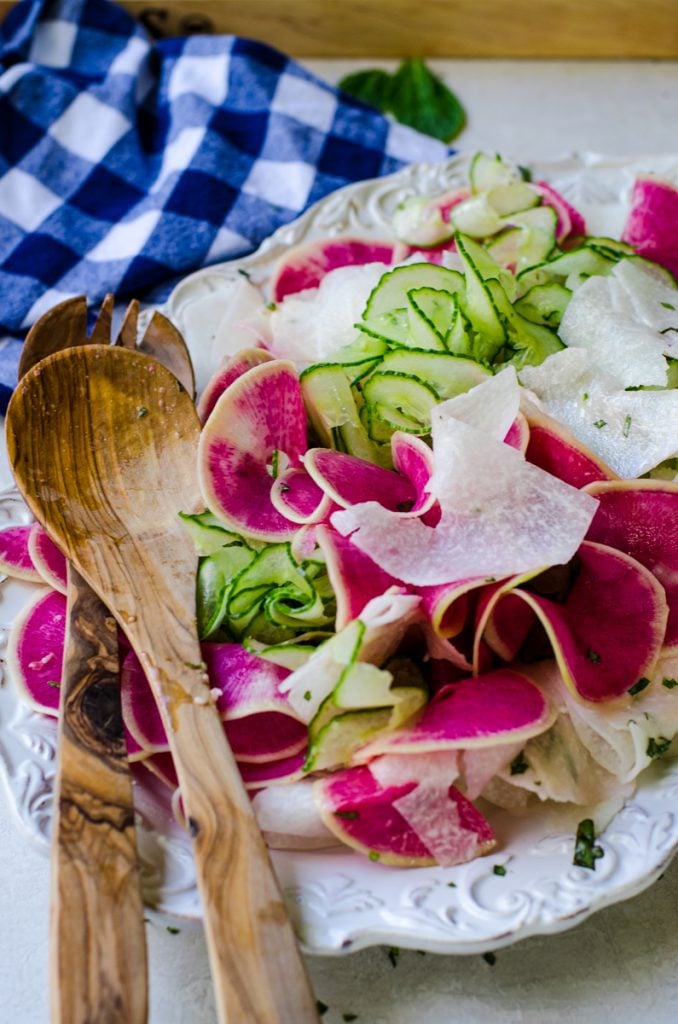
{"x":619,"y":964}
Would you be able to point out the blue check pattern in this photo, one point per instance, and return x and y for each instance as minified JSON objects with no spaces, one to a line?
{"x":125,"y":164}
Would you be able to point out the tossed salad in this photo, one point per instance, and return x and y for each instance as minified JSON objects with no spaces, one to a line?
{"x":439,"y":556}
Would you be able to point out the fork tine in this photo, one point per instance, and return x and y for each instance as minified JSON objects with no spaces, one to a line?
{"x":127,"y":335}
{"x":101,"y":332}
{"x":62,"y":326}
{"x":165,"y":343}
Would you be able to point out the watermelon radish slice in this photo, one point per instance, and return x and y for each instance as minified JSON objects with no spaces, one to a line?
{"x":570,"y":221}
{"x":445,"y":605}
{"x":162,"y":766}
{"x":140,"y":712}
{"x":289,"y":818}
{"x":554,"y":449}
{"x":355,"y":578}
{"x":348,"y":480}
{"x":363,"y":813}
{"x":259,"y":420}
{"x":15,"y":558}
{"x":608,"y":632}
{"x":234,"y":367}
{"x":503,"y":621}
{"x":502,"y":706}
{"x":640,"y":517}
{"x":650,"y":225}
{"x":135,"y":752}
{"x":35,"y":651}
{"x":47,"y":558}
{"x":413,"y":458}
{"x":305,"y":266}
{"x":273,"y":773}
{"x":518,"y":435}
{"x":297,"y":497}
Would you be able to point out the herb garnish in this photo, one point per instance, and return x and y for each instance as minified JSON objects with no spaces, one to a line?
{"x":141,"y":412}
{"x":586,"y":851}
{"x":349,"y":815}
{"x":413,"y":95}
{"x":638,"y":687}
{"x":172,"y":930}
{"x":393,"y":953}
{"x":519,"y":764}
{"x":348,"y":1018}
{"x":657,"y":747}
{"x":669,"y":683}
{"x":490,"y":958}
{"x":373,"y":855}
{"x":54,"y":683}
{"x":593,"y":656}
{"x":307,"y":695}
{"x":600,"y":423}
{"x":499,"y":869}
{"x":667,"y":305}
{"x":321,"y":1008}
{"x":626,"y":427}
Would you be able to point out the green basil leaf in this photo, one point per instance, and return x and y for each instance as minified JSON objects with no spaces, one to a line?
{"x":372,"y":87}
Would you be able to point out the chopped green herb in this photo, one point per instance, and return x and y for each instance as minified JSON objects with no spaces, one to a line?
{"x":451,"y":885}
{"x":519,"y":764}
{"x":490,"y":958}
{"x":349,"y":815}
{"x":307,"y":695}
{"x":141,"y":412}
{"x":349,"y":1017}
{"x":499,"y":869}
{"x":627,"y":426}
{"x":393,"y":953}
{"x":373,"y":855}
{"x":413,"y":95}
{"x":172,"y":930}
{"x":244,"y":272}
{"x":321,"y":1008}
{"x":669,"y":683}
{"x":585,"y":396}
{"x":638,"y":687}
{"x":199,"y":666}
{"x":593,"y":656}
{"x":54,"y":683}
{"x":667,"y":305}
{"x":525,"y":173}
{"x":657,"y":747}
{"x":600,"y":423}
{"x":271,"y":305}
{"x":491,"y":579}
{"x":586,"y":851}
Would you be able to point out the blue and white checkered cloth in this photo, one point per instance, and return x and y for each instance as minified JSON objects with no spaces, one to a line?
{"x":125,"y":164}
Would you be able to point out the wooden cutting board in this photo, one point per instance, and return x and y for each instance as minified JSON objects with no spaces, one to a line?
{"x":435,"y":28}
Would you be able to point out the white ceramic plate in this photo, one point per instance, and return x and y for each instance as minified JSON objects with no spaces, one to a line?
{"x":341,"y":901}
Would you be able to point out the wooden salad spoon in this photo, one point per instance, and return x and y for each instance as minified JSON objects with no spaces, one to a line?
{"x":103,"y":445}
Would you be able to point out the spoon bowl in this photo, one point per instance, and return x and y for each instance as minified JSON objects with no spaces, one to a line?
{"x":103,"y":444}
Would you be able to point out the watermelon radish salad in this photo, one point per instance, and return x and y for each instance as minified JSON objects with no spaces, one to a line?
{"x":439,"y":552}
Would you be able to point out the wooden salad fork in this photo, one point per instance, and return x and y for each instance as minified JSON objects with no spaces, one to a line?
{"x":103,"y":445}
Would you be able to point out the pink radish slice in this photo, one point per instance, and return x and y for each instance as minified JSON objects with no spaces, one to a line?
{"x":273,"y":773}
{"x":413,"y":458}
{"x":502,"y":706}
{"x":362,"y":813}
{"x":348,"y":480}
{"x":135,"y":752}
{"x":640,"y":517}
{"x":446,"y":604}
{"x":570,"y":221}
{"x":518,"y":435}
{"x":226,"y":375}
{"x":35,"y":651}
{"x":47,"y":558}
{"x":298,"y":498}
{"x":15,"y":558}
{"x":554,"y":449}
{"x":355,"y":578}
{"x":609,"y":631}
{"x":139,"y":710}
{"x":504,"y":622}
{"x":259,"y":419}
{"x":303,"y":544}
{"x":306,"y":266}
{"x":162,"y":766}
{"x":651,"y":223}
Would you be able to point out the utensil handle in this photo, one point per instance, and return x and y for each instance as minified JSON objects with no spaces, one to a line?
{"x":98,"y":945}
{"x":257,"y":969}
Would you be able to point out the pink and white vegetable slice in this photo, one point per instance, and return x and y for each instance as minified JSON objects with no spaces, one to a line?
{"x":377,"y":819}
{"x":226,"y":375}
{"x":502,"y":706}
{"x":349,"y":480}
{"x":554,"y":449}
{"x":258,"y":420}
{"x":297,"y":497}
{"x":650,"y":224}
{"x":640,"y":517}
{"x":273,"y":773}
{"x":289,"y":818}
{"x":413,"y":458}
{"x":35,"y":651}
{"x":570,"y":220}
{"x":47,"y":558}
{"x":15,"y":558}
{"x":355,"y":578}
{"x":305,"y":266}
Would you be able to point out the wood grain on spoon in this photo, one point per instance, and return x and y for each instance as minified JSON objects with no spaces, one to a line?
{"x":117,"y":437}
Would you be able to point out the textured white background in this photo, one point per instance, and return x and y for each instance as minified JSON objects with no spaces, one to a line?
{"x":618,"y":964}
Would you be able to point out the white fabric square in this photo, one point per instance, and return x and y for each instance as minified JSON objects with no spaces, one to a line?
{"x":53,"y":43}
{"x":50,"y":298}
{"x":283,"y":183}
{"x":305,"y":102}
{"x":126,"y":239}
{"x":403,"y":143}
{"x":24,"y":201}
{"x":226,"y":245}
{"x":89,"y":128}
{"x":178,"y":154}
{"x":201,"y":76}
{"x":128,"y":60}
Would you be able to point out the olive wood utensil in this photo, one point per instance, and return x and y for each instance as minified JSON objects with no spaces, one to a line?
{"x":103,"y":445}
{"x":98,"y":963}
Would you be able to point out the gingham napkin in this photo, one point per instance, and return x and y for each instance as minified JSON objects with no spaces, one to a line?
{"x":125,"y":164}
